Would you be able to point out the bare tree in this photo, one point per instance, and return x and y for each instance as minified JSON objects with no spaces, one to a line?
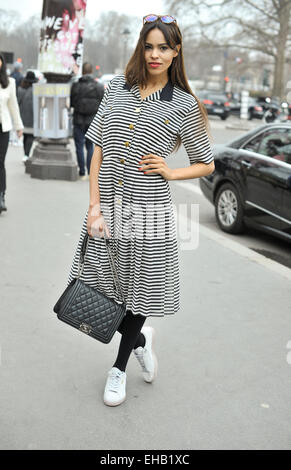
{"x":255,"y":25}
{"x":21,"y":38}
{"x":9,"y":19}
{"x":104,"y":40}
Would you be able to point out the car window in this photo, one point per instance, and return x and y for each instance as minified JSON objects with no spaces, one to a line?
{"x":276,"y":144}
{"x":253,"y":144}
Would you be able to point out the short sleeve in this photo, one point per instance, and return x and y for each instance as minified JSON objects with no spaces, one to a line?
{"x":94,"y":132}
{"x":195,"y":138}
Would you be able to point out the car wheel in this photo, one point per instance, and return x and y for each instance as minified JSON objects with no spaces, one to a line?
{"x":223,"y":117}
{"x":250,"y":116}
{"x":229,"y":209}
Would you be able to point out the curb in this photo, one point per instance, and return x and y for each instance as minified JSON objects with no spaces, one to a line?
{"x":238,"y":128}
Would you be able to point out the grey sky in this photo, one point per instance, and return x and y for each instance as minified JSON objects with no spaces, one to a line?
{"x":94,"y":7}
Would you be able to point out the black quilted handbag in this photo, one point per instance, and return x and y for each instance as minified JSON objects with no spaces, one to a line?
{"x":88,"y":309}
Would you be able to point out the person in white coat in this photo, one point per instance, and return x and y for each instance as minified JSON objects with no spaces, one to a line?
{"x":9,"y":116}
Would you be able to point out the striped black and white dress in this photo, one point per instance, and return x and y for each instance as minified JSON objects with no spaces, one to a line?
{"x":137,"y":207}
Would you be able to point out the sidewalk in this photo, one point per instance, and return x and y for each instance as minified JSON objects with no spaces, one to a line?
{"x":223,"y":379}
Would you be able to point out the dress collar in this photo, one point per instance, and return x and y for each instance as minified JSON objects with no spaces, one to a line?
{"x":166,"y":94}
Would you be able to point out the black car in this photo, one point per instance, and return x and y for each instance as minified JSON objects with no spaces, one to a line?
{"x":251,"y":184}
{"x":255,"y":110}
{"x":216,"y":103}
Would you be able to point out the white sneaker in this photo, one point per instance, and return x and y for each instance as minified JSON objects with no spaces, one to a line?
{"x":25,"y":158}
{"x":114,"y":392}
{"x":146,"y":356}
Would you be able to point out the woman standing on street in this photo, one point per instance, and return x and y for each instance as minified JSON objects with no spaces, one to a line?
{"x":9,"y":111}
{"x":145,"y":114}
{"x":25,"y":101}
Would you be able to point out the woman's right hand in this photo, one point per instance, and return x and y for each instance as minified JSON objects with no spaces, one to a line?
{"x":96,"y":224}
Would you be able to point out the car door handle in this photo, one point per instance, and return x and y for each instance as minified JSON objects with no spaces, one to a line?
{"x":246,"y":163}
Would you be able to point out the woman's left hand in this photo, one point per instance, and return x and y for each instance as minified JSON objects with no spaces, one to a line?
{"x":155,"y":164}
{"x":19,"y":133}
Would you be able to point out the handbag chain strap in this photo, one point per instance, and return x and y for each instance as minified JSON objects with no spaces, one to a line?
{"x":83,"y":253}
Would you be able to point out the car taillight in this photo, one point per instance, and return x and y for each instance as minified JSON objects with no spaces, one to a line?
{"x":258,"y":108}
{"x":207,"y":101}
{"x":226,"y":103}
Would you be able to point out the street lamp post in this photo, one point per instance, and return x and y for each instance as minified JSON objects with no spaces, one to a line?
{"x":60,"y":58}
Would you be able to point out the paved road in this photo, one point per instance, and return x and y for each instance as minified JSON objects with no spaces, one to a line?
{"x":224,"y":380}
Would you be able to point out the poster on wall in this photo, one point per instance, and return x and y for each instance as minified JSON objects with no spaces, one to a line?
{"x":61,"y":36}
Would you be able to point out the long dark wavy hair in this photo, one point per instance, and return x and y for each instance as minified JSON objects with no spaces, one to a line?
{"x":136,"y":72}
{"x":3,"y":73}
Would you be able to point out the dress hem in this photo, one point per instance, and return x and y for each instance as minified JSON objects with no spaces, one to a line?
{"x":153,"y":314}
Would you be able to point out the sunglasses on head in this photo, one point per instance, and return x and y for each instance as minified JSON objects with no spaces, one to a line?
{"x":165,"y":19}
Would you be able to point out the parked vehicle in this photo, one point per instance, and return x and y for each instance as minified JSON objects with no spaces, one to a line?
{"x":278,"y":113}
{"x":216,"y":103}
{"x":268,"y":101}
{"x":255,"y":111}
{"x":251,"y":184}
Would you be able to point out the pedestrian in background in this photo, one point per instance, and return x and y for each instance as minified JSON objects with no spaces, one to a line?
{"x":86,"y":95}
{"x":146,"y":113}
{"x":16,"y":73}
{"x":9,"y":112}
{"x":18,"y":77}
{"x":25,"y":101}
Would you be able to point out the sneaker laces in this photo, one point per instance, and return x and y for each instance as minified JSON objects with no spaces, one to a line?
{"x":114,"y":381}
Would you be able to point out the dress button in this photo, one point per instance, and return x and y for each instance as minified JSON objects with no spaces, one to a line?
{"x":167,"y":121}
{"x":126,"y":144}
{"x":137,"y":110}
{"x":120,"y":182}
{"x":118,"y":201}
{"x":122,"y":160}
{"x":131,"y":126}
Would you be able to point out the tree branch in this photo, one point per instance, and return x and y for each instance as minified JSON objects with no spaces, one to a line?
{"x":248,"y":26}
{"x":240,"y":46}
{"x":256,"y":7}
{"x":276,"y":6}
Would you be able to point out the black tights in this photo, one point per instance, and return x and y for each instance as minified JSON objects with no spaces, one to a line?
{"x":27,"y":143}
{"x":4,"y":142}
{"x":131,"y":338}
